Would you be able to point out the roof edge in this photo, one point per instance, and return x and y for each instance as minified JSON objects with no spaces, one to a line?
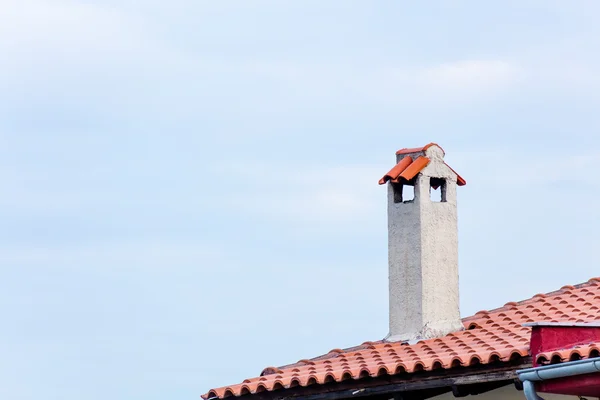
{"x":407,"y":150}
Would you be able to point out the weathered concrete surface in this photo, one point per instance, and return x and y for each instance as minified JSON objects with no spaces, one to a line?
{"x":423,"y":257}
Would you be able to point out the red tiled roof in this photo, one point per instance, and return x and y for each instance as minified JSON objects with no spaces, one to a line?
{"x":405,"y":170}
{"x":489,"y":336}
{"x":460,"y":181}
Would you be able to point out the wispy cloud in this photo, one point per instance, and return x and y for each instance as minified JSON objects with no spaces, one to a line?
{"x":141,"y":255}
{"x":471,"y":75}
{"x":524,"y":168}
{"x":463,"y":79}
{"x":66,"y":49}
{"x":345,"y":193}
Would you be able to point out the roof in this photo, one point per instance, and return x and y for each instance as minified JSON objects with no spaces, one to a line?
{"x":489,"y":336}
{"x":409,"y":166}
{"x":595,"y":324}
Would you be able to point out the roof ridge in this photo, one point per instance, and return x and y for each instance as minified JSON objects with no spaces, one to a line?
{"x":589,"y":282}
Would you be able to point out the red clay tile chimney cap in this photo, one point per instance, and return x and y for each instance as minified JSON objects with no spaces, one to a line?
{"x":407,"y":168}
{"x":418,"y":149}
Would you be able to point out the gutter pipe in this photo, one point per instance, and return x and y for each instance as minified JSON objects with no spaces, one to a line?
{"x":554,"y":371}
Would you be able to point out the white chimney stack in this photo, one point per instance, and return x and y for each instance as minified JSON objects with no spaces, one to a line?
{"x":422,"y":245}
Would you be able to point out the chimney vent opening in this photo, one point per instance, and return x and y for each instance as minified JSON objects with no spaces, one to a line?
{"x":437,"y":190}
{"x":403,"y":193}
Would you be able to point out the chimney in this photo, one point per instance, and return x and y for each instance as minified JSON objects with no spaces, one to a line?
{"x":422,"y":245}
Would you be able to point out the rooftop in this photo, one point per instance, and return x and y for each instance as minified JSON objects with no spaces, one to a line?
{"x":489,"y":337}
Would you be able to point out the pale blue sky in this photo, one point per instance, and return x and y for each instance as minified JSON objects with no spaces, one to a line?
{"x":189,"y":188}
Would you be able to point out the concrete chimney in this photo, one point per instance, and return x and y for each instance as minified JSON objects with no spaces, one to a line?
{"x":422,"y":245}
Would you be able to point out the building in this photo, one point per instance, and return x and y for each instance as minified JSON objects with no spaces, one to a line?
{"x":549,"y":343}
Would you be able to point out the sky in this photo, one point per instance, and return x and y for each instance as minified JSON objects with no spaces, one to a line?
{"x":189,"y":188}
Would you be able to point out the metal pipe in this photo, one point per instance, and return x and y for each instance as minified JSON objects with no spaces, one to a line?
{"x":529,"y":390}
{"x":531,"y":375}
{"x":560,"y":370}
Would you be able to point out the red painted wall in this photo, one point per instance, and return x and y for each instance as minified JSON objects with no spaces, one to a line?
{"x":549,"y":338}
{"x":582,"y":385}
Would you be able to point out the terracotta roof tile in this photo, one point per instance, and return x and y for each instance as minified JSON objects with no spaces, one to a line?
{"x":396,"y":170}
{"x":460,"y":181}
{"x":489,"y":336}
{"x":578,"y":352}
{"x":418,"y":149}
{"x":414,"y":168}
